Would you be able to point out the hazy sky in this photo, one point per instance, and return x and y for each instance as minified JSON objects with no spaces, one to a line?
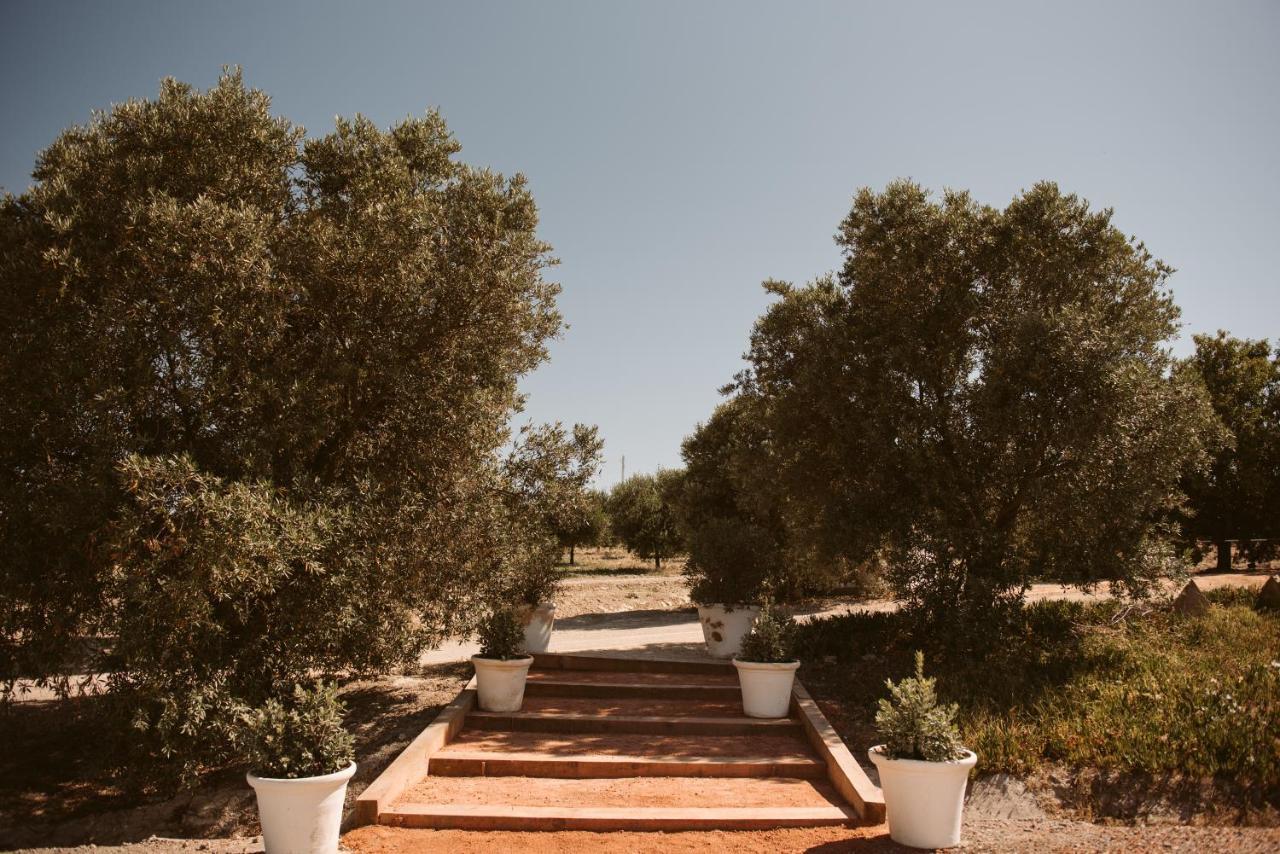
{"x":682,"y":152}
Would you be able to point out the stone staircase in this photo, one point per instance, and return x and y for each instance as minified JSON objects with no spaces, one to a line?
{"x":623,"y":744}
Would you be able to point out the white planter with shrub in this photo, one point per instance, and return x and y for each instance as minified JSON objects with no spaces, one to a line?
{"x":302,"y":815}
{"x":539,"y":620}
{"x":923,"y":768}
{"x":501,"y":668}
{"x":301,"y":759}
{"x":724,"y":627}
{"x":767,"y":666}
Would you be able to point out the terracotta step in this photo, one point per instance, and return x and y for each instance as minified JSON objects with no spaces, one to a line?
{"x":658,"y":686}
{"x":448,"y":816}
{"x":476,"y":753}
{"x":625,"y":792}
{"x":639,"y":724}
{"x":689,"y":716}
{"x":657,"y":678}
{"x":691,"y":707}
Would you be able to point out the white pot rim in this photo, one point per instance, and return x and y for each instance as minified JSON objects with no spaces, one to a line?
{"x":511,"y":663}
{"x":730,"y":606}
{"x":878,"y":756}
{"x":766,"y":665}
{"x":335,"y":777}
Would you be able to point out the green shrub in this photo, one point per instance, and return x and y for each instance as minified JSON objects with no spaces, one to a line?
{"x":912,"y":722}
{"x":303,"y":737}
{"x":501,"y":635}
{"x":1090,"y":685}
{"x":771,"y":639}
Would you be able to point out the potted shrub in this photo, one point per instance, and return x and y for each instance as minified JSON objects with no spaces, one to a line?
{"x":728,"y":566}
{"x":300,"y":759}
{"x":501,"y":666}
{"x":537,"y":612}
{"x":923,"y":767}
{"x":767,"y":665}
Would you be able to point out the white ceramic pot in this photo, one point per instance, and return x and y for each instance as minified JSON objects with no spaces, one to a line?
{"x":302,"y":815}
{"x":500,"y":684}
{"x":766,"y":687}
{"x":537,"y":628}
{"x":724,"y":627}
{"x":924,"y":801}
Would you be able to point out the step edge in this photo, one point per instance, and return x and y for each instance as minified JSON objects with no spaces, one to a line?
{"x":620,"y":758}
{"x":504,"y":810}
{"x":762,"y":723}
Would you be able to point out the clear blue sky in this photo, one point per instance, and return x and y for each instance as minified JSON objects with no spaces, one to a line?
{"x":682,"y":152}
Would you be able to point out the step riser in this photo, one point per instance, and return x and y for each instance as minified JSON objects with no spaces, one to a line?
{"x":634,"y":823}
{"x":446,"y":765}
{"x":692,"y":726}
{"x":622,"y":691}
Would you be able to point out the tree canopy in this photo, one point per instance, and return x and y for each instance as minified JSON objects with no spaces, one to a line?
{"x":642,"y":514}
{"x":1238,"y":496}
{"x":983,"y":396}
{"x":244,"y":371}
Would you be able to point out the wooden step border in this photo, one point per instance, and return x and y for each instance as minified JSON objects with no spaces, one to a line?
{"x":414,"y":761}
{"x":489,"y":817}
{"x":843,"y":770}
{"x":848,"y":778}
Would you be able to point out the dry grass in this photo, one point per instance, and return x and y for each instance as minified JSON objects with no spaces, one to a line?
{"x":615,"y":560}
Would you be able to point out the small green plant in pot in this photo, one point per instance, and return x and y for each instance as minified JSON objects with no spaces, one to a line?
{"x":923,"y":767}
{"x":501,"y":665}
{"x":767,"y":664}
{"x":300,"y":759}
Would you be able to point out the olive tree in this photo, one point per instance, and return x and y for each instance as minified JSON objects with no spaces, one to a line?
{"x":981,"y":395}
{"x":547,"y":473}
{"x":254,"y":388}
{"x":642,"y":514}
{"x":733,"y":531}
{"x":1238,"y":496}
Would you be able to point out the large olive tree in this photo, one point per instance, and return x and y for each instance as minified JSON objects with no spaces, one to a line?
{"x":253,"y":387}
{"x":982,"y":396}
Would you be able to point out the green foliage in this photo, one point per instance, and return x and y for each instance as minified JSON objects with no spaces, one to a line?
{"x":982,"y":398}
{"x":253,"y":396}
{"x":913,"y":724}
{"x":547,"y":473}
{"x":501,"y":635}
{"x":735,"y":538}
{"x":301,"y":738}
{"x":1105,"y":685}
{"x":642,"y":514}
{"x":1238,"y":496}
{"x":772,"y":637}
{"x":588,"y":525}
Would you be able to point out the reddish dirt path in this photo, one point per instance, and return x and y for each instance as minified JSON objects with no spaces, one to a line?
{"x":1042,"y":835}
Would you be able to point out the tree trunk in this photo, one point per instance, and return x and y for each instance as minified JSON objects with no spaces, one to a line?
{"x":571,"y":555}
{"x":657,"y":562}
{"x":1224,"y":556}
